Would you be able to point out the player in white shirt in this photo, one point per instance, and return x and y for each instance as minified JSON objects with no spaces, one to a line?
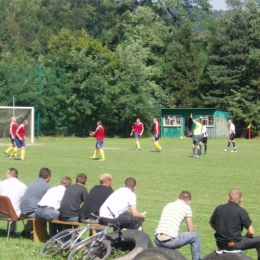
{"x":119,"y":202}
{"x":232,"y":134}
{"x":49,"y":205}
{"x":14,"y":190}
{"x":204,"y":139}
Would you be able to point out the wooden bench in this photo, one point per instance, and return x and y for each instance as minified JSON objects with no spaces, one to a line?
{"x":40,"y":228}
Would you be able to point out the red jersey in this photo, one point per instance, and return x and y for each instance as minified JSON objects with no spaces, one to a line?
{"x":156,"y":128}
{"x":13,"y":128}
{"x":138,"y":128}
{"x":21,"y":130}
{"x":100,"y":132}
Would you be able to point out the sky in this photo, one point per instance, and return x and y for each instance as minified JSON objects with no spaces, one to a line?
{"x":218,"y":4}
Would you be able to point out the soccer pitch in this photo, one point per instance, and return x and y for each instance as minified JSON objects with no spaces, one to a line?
{"x":160,"y":178}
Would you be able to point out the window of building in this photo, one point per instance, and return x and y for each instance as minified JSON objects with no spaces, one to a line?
{"x":207,"y":121}
{"x":172,"y":120}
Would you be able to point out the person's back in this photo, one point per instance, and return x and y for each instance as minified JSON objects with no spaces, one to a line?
{"x":172,"y":216}
{"x":96,"y":197}
{"x":118,"y":202}
{"x":13,"y":188}
{"x":167,"y":233}
{"x":33,"y":195}
{"x":229,"y":225}
{"x":72,"y":199}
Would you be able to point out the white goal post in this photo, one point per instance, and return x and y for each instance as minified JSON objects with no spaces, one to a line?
{"x":21,"y":113}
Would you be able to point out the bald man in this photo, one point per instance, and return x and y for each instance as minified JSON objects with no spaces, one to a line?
{"x":96,"y":197}
{"x":228,"y":220}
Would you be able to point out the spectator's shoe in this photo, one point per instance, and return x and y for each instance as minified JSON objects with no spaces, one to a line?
{"x":5,"y":154}
{"x":225,"y":150}
{"x":25,"y":234}
{"x":13,"y":234}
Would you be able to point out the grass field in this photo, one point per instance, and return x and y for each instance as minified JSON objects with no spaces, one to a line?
{"x":160,"y":178}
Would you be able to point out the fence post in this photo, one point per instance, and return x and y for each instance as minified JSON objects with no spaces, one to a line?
{"x":39,"y":108}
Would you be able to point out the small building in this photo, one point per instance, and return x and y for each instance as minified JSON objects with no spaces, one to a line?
{"x":176,"y":122}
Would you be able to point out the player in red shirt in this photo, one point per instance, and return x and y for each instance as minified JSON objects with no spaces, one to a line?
{"x":137,"y":129}
{"x":99,"y":135}
{"x":12,"y":130}
{"x":156,"y":135}
{"x":20,"y":140}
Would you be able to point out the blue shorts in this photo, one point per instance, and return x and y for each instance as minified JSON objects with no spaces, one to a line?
{"x":156,"y":137}
{"x":12,"y":140}
{"x":19,"y":143}
{"x":137,"y":135}
{"x":197,"y":139}
{"x":99,"y":144}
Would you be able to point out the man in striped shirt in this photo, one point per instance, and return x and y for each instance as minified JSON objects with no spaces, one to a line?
{"x":167,"y":233}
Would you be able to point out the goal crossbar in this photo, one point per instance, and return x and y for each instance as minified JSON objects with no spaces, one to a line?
{"x":32,"y":117}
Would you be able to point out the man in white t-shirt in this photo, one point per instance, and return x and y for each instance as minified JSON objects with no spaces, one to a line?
{"x":14,"y":190}
{"x":119,"y":202}
{"x":232,"y":135}
{"x":49,"y":205}
{"x":167,"y":233}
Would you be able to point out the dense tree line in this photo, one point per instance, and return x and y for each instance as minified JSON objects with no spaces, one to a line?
{"x":77,"y":61}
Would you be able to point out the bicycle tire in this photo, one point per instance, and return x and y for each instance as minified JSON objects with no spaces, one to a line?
{"x":52,"y":248}
{"x":84,"y":251}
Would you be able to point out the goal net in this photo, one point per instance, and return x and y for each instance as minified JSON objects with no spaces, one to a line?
{"x":21,"y":113}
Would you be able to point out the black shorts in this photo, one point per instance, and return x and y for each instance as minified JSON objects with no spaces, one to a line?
{"x":196,"y":139}
{"x":232,"y":137}
{"x":204,"y":140}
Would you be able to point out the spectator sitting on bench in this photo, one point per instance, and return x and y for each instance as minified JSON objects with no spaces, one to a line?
{"x":14,"y":190}
{"x":72,"y":199}
{"x":49,"y":205}
{"x":96,"y":197}
{"x":33,"y":194}
{"x":119,"y":202}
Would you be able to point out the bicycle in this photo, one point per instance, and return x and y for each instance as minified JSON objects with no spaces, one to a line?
{"x":84,"y":250}
{"x":95,"y":246}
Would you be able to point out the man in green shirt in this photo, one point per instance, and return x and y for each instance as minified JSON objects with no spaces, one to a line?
{"x":196,"y":136}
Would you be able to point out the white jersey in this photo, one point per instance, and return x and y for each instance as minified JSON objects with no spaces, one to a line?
{"x":232,"y":128}
{"x":204,"y":131}
{"x":118,"y":202}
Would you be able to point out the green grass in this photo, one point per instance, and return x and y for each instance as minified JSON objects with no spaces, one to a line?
{"x":160,"y":179}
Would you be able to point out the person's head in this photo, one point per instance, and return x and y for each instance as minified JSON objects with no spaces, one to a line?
{"x":138,"y":120}
{"x":230,"y":121}
{"x":11,"y":173}
{"x":25,"y":122}
{"x":81,"y":179}
{"x":65,"y":181}
{"x":106,"y":179}
{"x":235,"y":195}
{"x":13,"y":119}
{"x":45,"y":173}
{"x":99,"y":123}
{"x":130,"y":183}
{"x":185,"y":196}
{"x":155,"y":120}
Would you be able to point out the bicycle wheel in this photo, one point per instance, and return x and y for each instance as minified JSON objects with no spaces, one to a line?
{"x":58,"y":243}
{"x":86,"y":251}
